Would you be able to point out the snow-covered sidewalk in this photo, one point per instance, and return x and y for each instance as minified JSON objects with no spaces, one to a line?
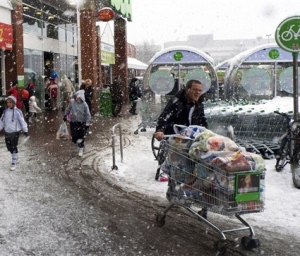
{"x":137,"y":172}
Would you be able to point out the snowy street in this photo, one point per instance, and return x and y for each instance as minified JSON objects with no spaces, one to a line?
{"x":56,"y":203}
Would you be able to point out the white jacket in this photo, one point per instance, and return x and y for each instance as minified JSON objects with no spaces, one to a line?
{"x":12,"y":120}
{"x":33,"y":107}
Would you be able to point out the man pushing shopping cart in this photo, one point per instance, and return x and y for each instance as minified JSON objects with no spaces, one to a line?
{"x":207,"y":171}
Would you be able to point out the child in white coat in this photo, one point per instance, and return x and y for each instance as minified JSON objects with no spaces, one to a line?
{"x":33,"y":109}
{"x":12,"y":121}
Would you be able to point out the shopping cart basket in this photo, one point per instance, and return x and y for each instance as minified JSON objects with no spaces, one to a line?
{"x":200,"y":186}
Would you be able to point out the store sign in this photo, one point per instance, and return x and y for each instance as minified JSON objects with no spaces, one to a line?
{"x":6,"y":36}
{"x":123,"y":7}
{"x":107,"y":53}
{"x":274,"y":54}
{"x":178,"y":56}
{"x":106,"y":14}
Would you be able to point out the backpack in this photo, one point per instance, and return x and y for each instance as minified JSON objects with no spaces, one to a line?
{"x":53,"y":92}
{"x":25,"y":94}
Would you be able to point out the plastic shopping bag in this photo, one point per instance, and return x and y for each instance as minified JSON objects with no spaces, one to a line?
{"x":69,"y":117}
{"x":63,"y":133}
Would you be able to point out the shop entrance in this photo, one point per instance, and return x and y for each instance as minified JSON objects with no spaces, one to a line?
{"x":48,"y":63}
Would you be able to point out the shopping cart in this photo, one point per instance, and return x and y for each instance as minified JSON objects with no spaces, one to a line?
{"x":150,"y":108}
{"x":199,"y":186}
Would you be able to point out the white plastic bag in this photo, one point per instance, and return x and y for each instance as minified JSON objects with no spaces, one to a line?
{"x":191,"y":131}
{"x":63,"y":133}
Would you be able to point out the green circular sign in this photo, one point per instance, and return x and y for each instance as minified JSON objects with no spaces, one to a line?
{"x":178,"y":56}
{"x":273,"y":54}
{"x":287,"y":34}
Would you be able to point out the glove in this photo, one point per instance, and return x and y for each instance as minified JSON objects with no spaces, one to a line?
{"x":26,"y":134}
{"x":65,"y":118}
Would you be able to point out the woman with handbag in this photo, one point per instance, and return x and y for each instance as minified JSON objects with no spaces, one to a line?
{"x":80,"y":119}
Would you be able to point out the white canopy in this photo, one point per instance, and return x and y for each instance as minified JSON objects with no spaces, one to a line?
{"x":136,"y":64}
{"x":6,"y":4}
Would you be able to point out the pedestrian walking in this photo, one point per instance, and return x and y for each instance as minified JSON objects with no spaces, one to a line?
{"x":80,"y":118}
{"x":116,"y":90}
{"x":135,"y":92}
{"x":26,"y":94}
{"x":14,"y":92}
{"x":68,"y":90}
{"x":12,"y":121}
{"x":82,"y":86}
{"x":88,"y":93}
{"x":33,"y":109}
{"x":53,"y":93}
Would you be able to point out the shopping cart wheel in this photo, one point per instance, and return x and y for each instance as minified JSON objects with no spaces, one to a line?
{"x":203,"y":213}
{"x":155,"y":146}
{"x":160,"y":219}
{"x":250,"y":243}
{"x":221,"y":247}
{"x":157,"y":173}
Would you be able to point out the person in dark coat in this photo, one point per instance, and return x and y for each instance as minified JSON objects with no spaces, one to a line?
{"x":186,"y":108}
{"x":135,"y":92}
{"x":14,"y":92}
{"x":116,"y":90}
{"x":30,"y":89}
{"x":88,"y":93}
{"x":82,"y":86}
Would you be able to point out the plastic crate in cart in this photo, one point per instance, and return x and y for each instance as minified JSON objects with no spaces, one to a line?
{"x":200,"y":187}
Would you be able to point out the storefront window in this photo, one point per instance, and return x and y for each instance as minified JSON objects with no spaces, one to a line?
{"x":52,"y":31}
{"x":33,"y":71}
{"x":61,"y":33}
{"x":47,"y":21}
{"x":70,"y":33}
{"x":32,"y":26}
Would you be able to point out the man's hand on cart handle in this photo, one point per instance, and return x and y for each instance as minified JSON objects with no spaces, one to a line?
{"x":159,"y":136}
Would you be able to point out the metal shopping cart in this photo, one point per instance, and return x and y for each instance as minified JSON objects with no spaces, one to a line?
{"x":200,"y":186}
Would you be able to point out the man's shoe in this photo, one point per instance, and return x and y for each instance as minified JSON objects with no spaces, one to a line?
{"x":13,"y":167}
{"x":80,"y":153}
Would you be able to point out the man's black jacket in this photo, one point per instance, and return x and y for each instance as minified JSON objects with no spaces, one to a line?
{"x":177,"y":112}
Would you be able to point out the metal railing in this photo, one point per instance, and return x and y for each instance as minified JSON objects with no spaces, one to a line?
{"x":113,"y":138}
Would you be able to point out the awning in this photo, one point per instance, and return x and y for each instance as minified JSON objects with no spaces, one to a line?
{"x":136,"y":64}
{"x":6,"y":4}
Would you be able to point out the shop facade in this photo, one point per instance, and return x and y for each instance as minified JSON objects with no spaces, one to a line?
{"x":6,"y":40}
{"x":45,"y":40}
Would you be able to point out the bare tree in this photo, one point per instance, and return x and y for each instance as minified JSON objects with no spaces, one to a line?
{"x":145,"y":51}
